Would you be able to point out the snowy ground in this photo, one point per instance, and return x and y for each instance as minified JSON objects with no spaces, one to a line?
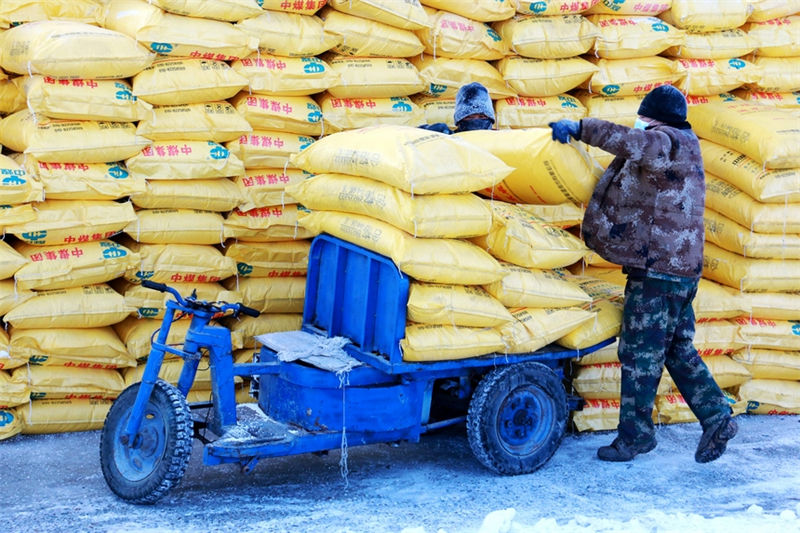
{"x":54,"y":483}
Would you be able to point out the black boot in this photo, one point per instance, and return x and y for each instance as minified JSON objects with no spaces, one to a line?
{"x":715,"y":439}
{"x":620,"y":451}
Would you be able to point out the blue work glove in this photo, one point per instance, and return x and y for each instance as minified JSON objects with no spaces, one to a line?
{"x":441,"y":127}
{"x":564,"y":129}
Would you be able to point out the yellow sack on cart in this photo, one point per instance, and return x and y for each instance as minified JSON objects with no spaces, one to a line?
{"x":289,"y":76}
{"x":63,"y":416}
{"x":216,"y":194}
{"x":411,"y":159}
{"x":92,"y":348}
{"x":770,"y":364}
{"x":351,"y":113}
{"x":436,"y":342}
{"x":707,"y":15}
{"x":454,"y":36}
{"x":262,"y":187}
{"x":455,"y":305}
{"x":271,"y":295}
{"x":434,"y":215}
{"x":734,"y":237}
{"x":173,"y":160}
{"x":177,"y":226}
{"x":606,"y":354}
{"x":709,"y":76}
{"x":90,"y":306}
{"x":73,"y":265}
{"x":59,"y":49}
{"x":771,"y":397}
{"x":373,"y":77}
{"x":179,"y":36}
{"x":266,"y":224}
{"x":369,"y":38}
{"x":544,"y":77}
{"x":606,"y":323}
{"x":270,"y":260}
{"x":292,"y":114}
{"x":526,"y":287}
{"x":85,"y":181}
{"x":433,"y":260}
{"x":191,"y":263}
{"x":244,"y":329}
{"x":631,"y":77}
{"x":227,"y":10}
{"x":444,"y":76}
{"x":553,"y":37}
{"x":209,"y":121}
{"x":535,"y":328}
{"x":289,"y":34}
{"x":53,"y":382}
{"x":527,"y":112}
{"x":187,"y":81}
{"x":725,"y":198}
{"x":406,"y":15}
{"x":775,"y":305}
{"x":268,"y":148}
{"x":719,"y":45}
{"x":624,"y":37}
{"x":137,"y":333}
{"x":544,"y":172}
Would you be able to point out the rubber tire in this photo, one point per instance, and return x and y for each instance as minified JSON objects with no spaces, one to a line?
{"x":170,"y":420}
{"x":542,"y":422}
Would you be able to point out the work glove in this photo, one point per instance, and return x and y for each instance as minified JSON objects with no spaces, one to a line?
{"x":564,"y":129}
{"x":441,"y":127}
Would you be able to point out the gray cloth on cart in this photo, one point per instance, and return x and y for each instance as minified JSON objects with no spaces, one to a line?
{"x":322,"y":352}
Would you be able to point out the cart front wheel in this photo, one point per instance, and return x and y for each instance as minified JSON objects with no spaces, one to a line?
{"x":156,"y":460}
{"x":517,"y":418}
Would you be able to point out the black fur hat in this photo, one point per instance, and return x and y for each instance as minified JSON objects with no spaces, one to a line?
{"x":665,"y":104}
{"x":473,"y":98}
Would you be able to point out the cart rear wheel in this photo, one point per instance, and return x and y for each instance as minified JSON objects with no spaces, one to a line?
{"x":517,"y":418}
{"x":145,"y":472}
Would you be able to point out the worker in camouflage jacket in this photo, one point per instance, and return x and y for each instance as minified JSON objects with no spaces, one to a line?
{"x":646,"y":214}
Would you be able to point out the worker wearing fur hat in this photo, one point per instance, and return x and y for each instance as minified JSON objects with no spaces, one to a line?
{"x":646,"y":214}
{"x":474,"y":111}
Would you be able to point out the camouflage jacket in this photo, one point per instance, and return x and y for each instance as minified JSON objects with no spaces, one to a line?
{"x":647,"y":209}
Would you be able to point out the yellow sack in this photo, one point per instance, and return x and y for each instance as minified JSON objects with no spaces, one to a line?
{"x":555,"y":7}
{"x":434,"y":260}
{"x":183,"y":160}
{"x":228,"y":10}
{"x":110,"y":100}
{"x":176,"y":226}
{"x":368,"y":38}
{"x":564,"y":215}
{"x":535,"y":328}
{"x":85,"y":181}
{"x":727,"y":199}
{"x":137,"y":332}
{"x":63,"y":416}
{"x":268,"y":149}
{"x":210,"y":121}
{"x":434,"y":215}
{"x":444,"y":76}
{"x":544,"y":77}
{"x":769,"y":334}
{"x":436,"y":109}
{"x":734,"y":237}
{"x":290,"y":76}
{"x":611,"y":274}
{"x":68,"y":141}
{"x":7,"y":362}
{"x":406,"y":15}
{"x":11,"y":395}
{"x":262,"y":187}
{"x":73,"y":265}
{"x":770,"y":364}
{"x":628,"y":7}
{"x":13,"y":12}
{"x":707,"y":15}
{"x":747,"y":274}
{"x":91,"y":306}
{"x":289,"y":34}
{"x":411,"y":159}
{"x":175,"y":35}
{"x":598,"y":415}
{"x":736,"y":125}
{"x":292,"y":114}
{"x":618,"y":109}
{"x":436,"y":342}
{"x":524,"y":287}
{"x":720,"y":45}
{"x":771,"y":397}
{"x":717,"y":301}
{"x":624,"y":37}
{"x":553,"y":37}
{"x":217,"y":194}
{"x":673,"y":409}
{"x":481,"y":10}
{"x":352,"y":113}
{"x":520,"y":238}
{"x":187,"y":81}
{"x":602,"y":381}
{"x":10,"y":260}
{"x":265,"y":224}
{"x":53,"y":382}
{"x":16,"y":214}
{"x":71,"y":221}
{"x":545,"y":172}
{"x":764,"y":10}
{"x":778,"y":74}
{"x":709,"y":76}
{"x":451,"y":35}
{"x":244,"y":329}
{"x":527,"y":112}
{"x":59,"y":48}
{"x":171,"y":372}
{"x":270,"y":260}
{"x":630,"y":77}
{"x":191,"y":263}
{"x":775,"y":305}
{"x":148,"y":303}
{"x":373,"y":77}
{"x":271,"y":295}
{"x":95,"y":348}
{"x":129,"y":16}
{"x":787,"y":99}
{"x":12,"y":99}
{"x":455,"y":305}
{"x":606,"y":323}
{"x":16,"y":186}
{"x":778,"y":37}
{"x":727,"y":372}
{"x":606,"y":354}
{"x":307,"y":7}
{"x":10,"y":297}
{"x":717,"y":336}
{"x":768,"y":186}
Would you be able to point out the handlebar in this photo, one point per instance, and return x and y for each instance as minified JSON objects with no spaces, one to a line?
{"x":198,"y":304}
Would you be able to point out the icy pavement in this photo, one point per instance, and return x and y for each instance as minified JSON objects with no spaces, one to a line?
{"x":54,"y":483}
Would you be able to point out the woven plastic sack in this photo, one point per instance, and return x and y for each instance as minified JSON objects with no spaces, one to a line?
{"x":606,"y":354}
{"x":717,"y":336}
{"x":564,"y":215}
{"x":709,"y":76}
{"x":10,"y":260}
{"x":190,"y":263}
{"x":726,"y":199}
{"x":789,"y":100}
{"x":271,"y":295}
{"x":771,"y":397}
{"x":187,"y":81}
{"x":59,"y":49}
{"x":707,"y":15}
{"x":436,"y":109}
{"x":244,"y":329}
{"x":452,"y":35}
{"x":209,"y":121}
{"x":544,"y":77}
{"x":270,"y":260}
{"x":14,"y":12}
{"x":629,"y":7}
{"x":353,"y":113}
{"x":623,"y":37}
{"x":53,"y":382}
{"x":548,"y":37}
{"x":262,"y":187}
{"x":434,"y":215}
{"x":10,"y":297}
{"x":535,"y":328}
{"x":768,"y":333}
{"x":12,"y":99}
{"x":63,"y":416}
{"x":85,"y":181}
{"x":454,"y":305}
{"x":770,"y":364}
{"x":480,"y":10}
{"x":170,"y":372}
{"x":306,"y":7}
{"x":405,"y":15}
{"x":147,"y":303}
{"x":91,"y":306}
{"x":292,"y":114}
{"x":266,"y":224}
{"x":268,"y":148}
{"x":618,"y":109}
{"x":16,"y":214}
{"x":7,"y":362}
{"x":368,"y":38}
{"x":185,"y":160}
{"x":602,"y":381}
{"x":526,"y":287}
{"x":436,"y":342}
{"x":444,"y":76}
{"x":12,"y":394}
{"x":598,"y":415}
{"x":607,"y":323}
{"x":433,"y":260}
{"x":778,"y":74}
{"x":176,"y":226}
{"x":16,"y":185}
{"x":717,"y":301}
{"x":411,"y":159}
{"x":746,"y":274}
{"x":179,"y":36}
{"x":289,"y":76}
{"x":373,"y":77}
{"x":554,"y":7}
{"x":136,"y":334}
{"x":95,"y":348}
{"x":736,"y":238}
{"x":529,"y":112}
{"x":723,"y":44}
{"x":764,"y":10}
{"x":630,"y":77}
{"x":289,"y":34}
{"x":219,"y":194}
{"x":227,"y":10}
{"x":774,"y":305}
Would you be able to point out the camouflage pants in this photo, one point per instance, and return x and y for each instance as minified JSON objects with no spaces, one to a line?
{"x":658,"y":330}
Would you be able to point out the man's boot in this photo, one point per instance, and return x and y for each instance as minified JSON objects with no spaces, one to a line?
{"x":620,"y":451}
{"x":715,"y":439}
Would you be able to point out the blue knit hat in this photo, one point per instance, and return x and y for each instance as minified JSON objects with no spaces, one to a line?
{"x":665,"y":104}
{"x":471,"y":99}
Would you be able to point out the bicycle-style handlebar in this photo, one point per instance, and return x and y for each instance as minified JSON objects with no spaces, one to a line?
{"x":221,"y":307}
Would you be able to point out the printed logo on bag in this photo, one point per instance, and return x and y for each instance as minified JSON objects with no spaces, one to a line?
{"x":112,"y":250}
{"x":316,"y":113}
{"x":660,"y":26}
{"x":435,"y":88}
{"x":313,"y":65}
{"x":38,"y":360}
{"x":217,"y":151}
{"x":737,"y":63}
{"x":148,"y":312}
{"x":305,"y":142}
{"x":610,"y":89}
{"x":401,"y":106}
{"x":14,"y":180}
{"x":161,"y":48}
{"x":117,"y":172}
{"x":537,"y":7}
{"x":34,"y":237}
{"x":244,"y":269}
{"x":38,"y":395}
{"x":493,"y":35}
{"x":567,"y":102}
{"x":6,"y":417}
{"x":144,"y":274}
